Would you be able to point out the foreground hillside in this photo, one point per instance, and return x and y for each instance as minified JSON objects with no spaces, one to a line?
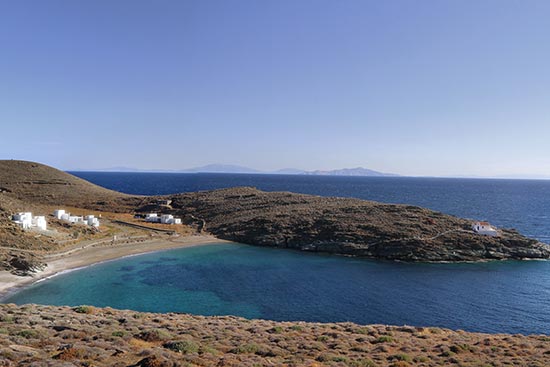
{"x":87,"y":336}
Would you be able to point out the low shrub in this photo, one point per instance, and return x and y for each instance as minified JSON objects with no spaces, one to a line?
{"x":84,"y":309}
{"x":401,"y":357}
{"x":29,"y":334}
{"x":365,"y":362}
{"x":6,"y":318}
{"x":246,"y":348}
{"x":69,"y":354}
{"x":154,"y":335}
{"x":383,"y":339}
{"x":326,"y":357}
{"x":400,"y":364}
{"x":461,"y":348}
{"x":182,"y":346}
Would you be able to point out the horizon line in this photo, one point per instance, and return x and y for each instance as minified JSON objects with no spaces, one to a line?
{"x":308,"y":173}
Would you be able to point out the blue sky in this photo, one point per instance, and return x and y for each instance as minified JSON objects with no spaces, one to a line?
{"x":411,"y":87}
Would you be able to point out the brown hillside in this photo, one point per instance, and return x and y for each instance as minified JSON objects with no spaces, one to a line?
{"x":29,"y":186}
{"x":35,"y":183}
{"x":34,"y":335}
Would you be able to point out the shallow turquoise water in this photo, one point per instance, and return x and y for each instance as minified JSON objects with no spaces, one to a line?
{"x":275,"y":284}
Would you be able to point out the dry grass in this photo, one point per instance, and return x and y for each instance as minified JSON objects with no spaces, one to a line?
{"x":41,"y":335}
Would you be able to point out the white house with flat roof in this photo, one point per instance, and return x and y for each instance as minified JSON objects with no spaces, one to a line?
{"x":27,"y":221}
{"x":89,"y":220}
{"x":152,"y":217}
{"x":164,"y":218}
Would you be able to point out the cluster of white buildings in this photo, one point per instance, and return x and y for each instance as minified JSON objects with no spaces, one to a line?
{"x":164,"y":218}
{"x":89,"y":220}
{"x":27,"y":221}
{"x":484,"y":228}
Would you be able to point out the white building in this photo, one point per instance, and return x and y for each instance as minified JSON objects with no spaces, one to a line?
{"x":39,"y":222}
{"x":484,"y":228}
{"x":24,"y":219}
{"x":164,"y":218}
{"x":92,"y":221}
{"x":89,"y":220}
{"x":75,"y":219}
{"x":27,"y":221}
{"x":152,"y":217}
{"x":167,"y":219}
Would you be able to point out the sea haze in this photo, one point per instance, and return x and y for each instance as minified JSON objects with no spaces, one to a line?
{"x":256,"y":282}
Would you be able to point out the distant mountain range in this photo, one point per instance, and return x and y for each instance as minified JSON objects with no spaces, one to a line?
{"x":230,"y":168}
{"x":221,"y":168}
{"x":359,"y":171}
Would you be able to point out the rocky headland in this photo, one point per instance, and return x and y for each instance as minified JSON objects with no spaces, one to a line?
{"x":346,"y":226}
{"x":277,"y":219}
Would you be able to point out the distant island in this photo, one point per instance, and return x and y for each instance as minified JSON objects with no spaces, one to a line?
{"x":232,"y":168}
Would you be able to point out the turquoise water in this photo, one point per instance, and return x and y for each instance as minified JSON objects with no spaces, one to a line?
{"x":254,"y":282}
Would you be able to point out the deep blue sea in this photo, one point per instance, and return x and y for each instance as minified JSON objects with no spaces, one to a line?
{"x":520,"y":204}
{"x":254,"y":282}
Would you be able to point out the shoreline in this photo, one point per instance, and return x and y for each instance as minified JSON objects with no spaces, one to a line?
{"x":11,"y":284}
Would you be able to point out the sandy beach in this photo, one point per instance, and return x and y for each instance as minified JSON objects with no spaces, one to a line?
{"x":75,"y":259}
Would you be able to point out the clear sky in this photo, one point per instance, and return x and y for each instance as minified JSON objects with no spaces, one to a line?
{"x":421,"y":87}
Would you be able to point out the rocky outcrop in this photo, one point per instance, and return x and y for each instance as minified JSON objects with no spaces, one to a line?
{"x":20,"y":263}
{"x":348,"y":226}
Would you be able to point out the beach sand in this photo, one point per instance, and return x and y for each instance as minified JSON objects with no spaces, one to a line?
{"x":10,"y":283}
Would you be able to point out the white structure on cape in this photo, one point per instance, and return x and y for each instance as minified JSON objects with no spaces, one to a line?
{"x":484,"y":228}
{"x":27,"y":221}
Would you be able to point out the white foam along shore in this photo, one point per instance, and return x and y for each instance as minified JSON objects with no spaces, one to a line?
{"x":10,"y":283}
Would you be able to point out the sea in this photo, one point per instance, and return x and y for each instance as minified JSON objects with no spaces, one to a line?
{"x":286,"y":285}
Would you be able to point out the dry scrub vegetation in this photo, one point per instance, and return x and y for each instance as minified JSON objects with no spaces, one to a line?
{"x":34,"y":335}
